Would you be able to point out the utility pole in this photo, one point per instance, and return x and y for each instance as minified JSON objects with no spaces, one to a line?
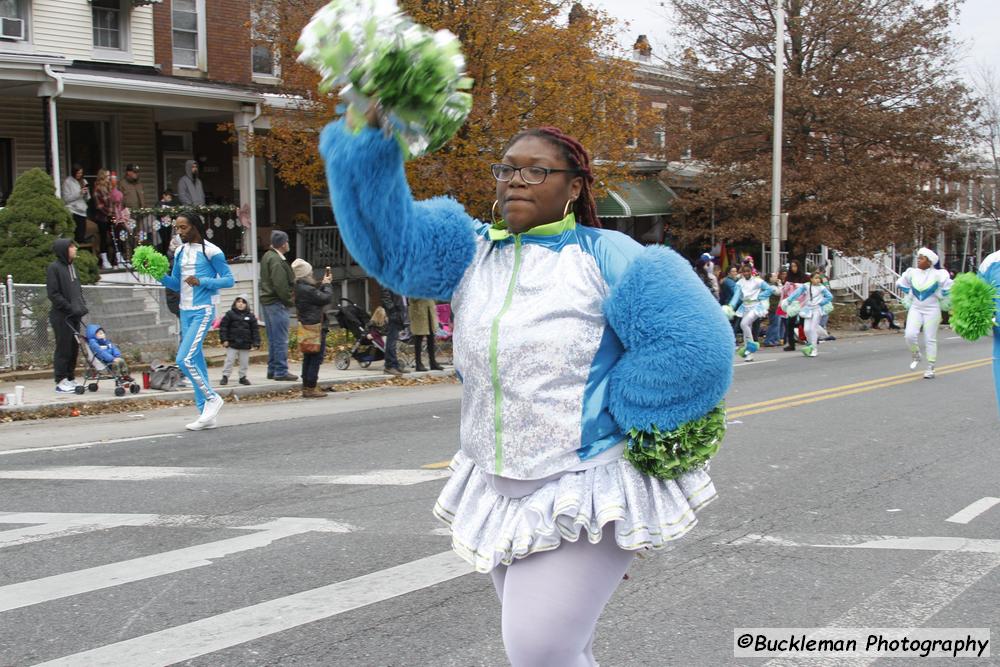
{"x":779,"y":86}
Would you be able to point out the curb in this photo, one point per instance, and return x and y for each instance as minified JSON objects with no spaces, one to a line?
{"x":225,"y":392}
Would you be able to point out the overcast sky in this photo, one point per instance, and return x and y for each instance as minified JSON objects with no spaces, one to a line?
{"x":979,"y":27}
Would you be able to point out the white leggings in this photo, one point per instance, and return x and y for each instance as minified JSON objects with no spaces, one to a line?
{"x":812,"y":326}
{"x":746,"y":324}
{"x":929,"y":322}
{"x":550,"y":601}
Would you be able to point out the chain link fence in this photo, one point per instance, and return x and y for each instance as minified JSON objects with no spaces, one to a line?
{"x":135,"y":318}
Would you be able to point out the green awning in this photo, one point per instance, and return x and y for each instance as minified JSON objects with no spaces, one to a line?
{"x":644,"y":197}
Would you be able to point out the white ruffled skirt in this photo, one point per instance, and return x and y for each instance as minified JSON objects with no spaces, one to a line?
{"x":489,"y":529}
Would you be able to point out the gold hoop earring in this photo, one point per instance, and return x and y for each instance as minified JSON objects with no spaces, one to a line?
{"x":493,"y":211}
{"x":567,"y":206}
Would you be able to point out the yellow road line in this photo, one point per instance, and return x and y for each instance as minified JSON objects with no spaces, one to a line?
{"x":912,"y":374}
{"x":819,"y":395}
{"x":793,"y":401}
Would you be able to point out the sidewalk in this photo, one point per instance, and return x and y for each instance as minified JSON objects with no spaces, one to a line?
{"x":40,"y":394}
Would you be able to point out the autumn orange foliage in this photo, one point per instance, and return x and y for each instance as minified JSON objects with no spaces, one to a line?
{"x":530,"y":68}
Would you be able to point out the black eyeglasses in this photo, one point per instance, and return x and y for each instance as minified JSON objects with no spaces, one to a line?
{"x":530,"y":175}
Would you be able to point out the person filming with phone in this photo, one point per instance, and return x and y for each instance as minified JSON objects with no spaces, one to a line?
{"x":312,"y":297}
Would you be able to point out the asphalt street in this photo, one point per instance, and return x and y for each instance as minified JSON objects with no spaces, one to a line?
{"x":300,"y":532}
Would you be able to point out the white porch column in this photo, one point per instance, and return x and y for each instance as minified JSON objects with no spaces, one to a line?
{"x":244,"y":121}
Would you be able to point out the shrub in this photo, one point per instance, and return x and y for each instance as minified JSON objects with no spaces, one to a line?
{"x":32,"y":220}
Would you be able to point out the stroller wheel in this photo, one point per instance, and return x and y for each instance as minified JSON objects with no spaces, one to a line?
{"x":119,"y":391}
{"x":134,"y":388}
{"x":92,"y":386}
{"x":342,"y":361}
{"x":365,"y":364}
{"x":79,"y":389}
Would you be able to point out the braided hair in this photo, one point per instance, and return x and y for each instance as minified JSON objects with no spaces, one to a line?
{"x":197,"y":223}
{"x":577,"y":157}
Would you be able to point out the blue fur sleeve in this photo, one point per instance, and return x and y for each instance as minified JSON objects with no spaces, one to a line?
{"x":678,"y":360}
{"x":418,"y":249}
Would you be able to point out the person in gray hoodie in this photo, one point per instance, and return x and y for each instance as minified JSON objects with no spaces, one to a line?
{"x":190,"y":191}
{"x":68,"y":308}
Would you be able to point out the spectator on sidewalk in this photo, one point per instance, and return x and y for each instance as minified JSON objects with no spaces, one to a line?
{"x":705,"y":268}
{"x":190,"y":191}
{"x":311,"y":300}
{"x":875,"y":309}
{"x":238,"y":333}
{"x":393,"y":305}
{"x":423,"y":326}
{"x":76,"y":194}
{"x":277,"y":284}
{"x":68,"y":308}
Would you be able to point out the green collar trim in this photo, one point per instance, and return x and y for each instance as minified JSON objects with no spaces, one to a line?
{"x":499,"y":232}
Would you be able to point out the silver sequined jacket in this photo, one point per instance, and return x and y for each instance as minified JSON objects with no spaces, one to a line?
{"x":565,"y":336}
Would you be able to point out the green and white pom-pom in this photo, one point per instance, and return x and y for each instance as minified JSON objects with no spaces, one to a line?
{"x":973,"y":306}
{"x":827,"y":308}
{"x":376,"y":54}
{"x":793,"y":309}
{"x":147,"y":261}
{"x":728,"y":311}
{"x":670,"y":454}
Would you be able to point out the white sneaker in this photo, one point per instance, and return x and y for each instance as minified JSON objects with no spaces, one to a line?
{"x":814,"y":353}
{"x":915,"y":361}
{"x":199,"y":425}
{"x":66,"y":387}
{"x":929,"y":373}
{"x":105,"y":264}
{"x":211,"y":409}
{"x":749,"y":357}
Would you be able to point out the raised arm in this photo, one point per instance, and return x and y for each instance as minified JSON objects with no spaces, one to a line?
{"x":415,"y":248}
{"x":677,"y":364}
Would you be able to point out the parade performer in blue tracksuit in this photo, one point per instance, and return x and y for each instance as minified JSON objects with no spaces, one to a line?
{"x":817,"y":301}
{"x":989,"y":271}
{"x":569,"y":340}
{"x":751,"y":294}
{"x":200,"y":271}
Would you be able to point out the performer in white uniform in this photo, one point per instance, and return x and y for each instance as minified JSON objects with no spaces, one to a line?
{"x":818,"y":301}
{"x":925,"y":288}
{"x":751,"y":293}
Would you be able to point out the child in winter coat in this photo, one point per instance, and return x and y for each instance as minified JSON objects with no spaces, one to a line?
{"x":105,"y":351}
{"x":238,"y":332}
{"x":376,"y":326}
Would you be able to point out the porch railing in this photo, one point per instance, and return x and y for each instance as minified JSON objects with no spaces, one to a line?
{"x":862,"y":275}
{"x":323,"y":246}
{"x":154,"y":227}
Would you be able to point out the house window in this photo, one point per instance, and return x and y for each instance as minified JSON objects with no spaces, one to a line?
{"x":263,"y":61}
{"x":13,"y":24}
{"x":108,"y":24}
{"x":186,"y":33}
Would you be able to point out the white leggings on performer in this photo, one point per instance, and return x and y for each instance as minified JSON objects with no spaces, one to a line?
{"x":812,"y":326}
{"x":929,"y":321}
{"x":550,"y":601}
{"x":746,"y":324}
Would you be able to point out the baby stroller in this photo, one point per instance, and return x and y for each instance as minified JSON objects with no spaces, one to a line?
{"x":97,"y":370}
{"x":353,"y":318}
